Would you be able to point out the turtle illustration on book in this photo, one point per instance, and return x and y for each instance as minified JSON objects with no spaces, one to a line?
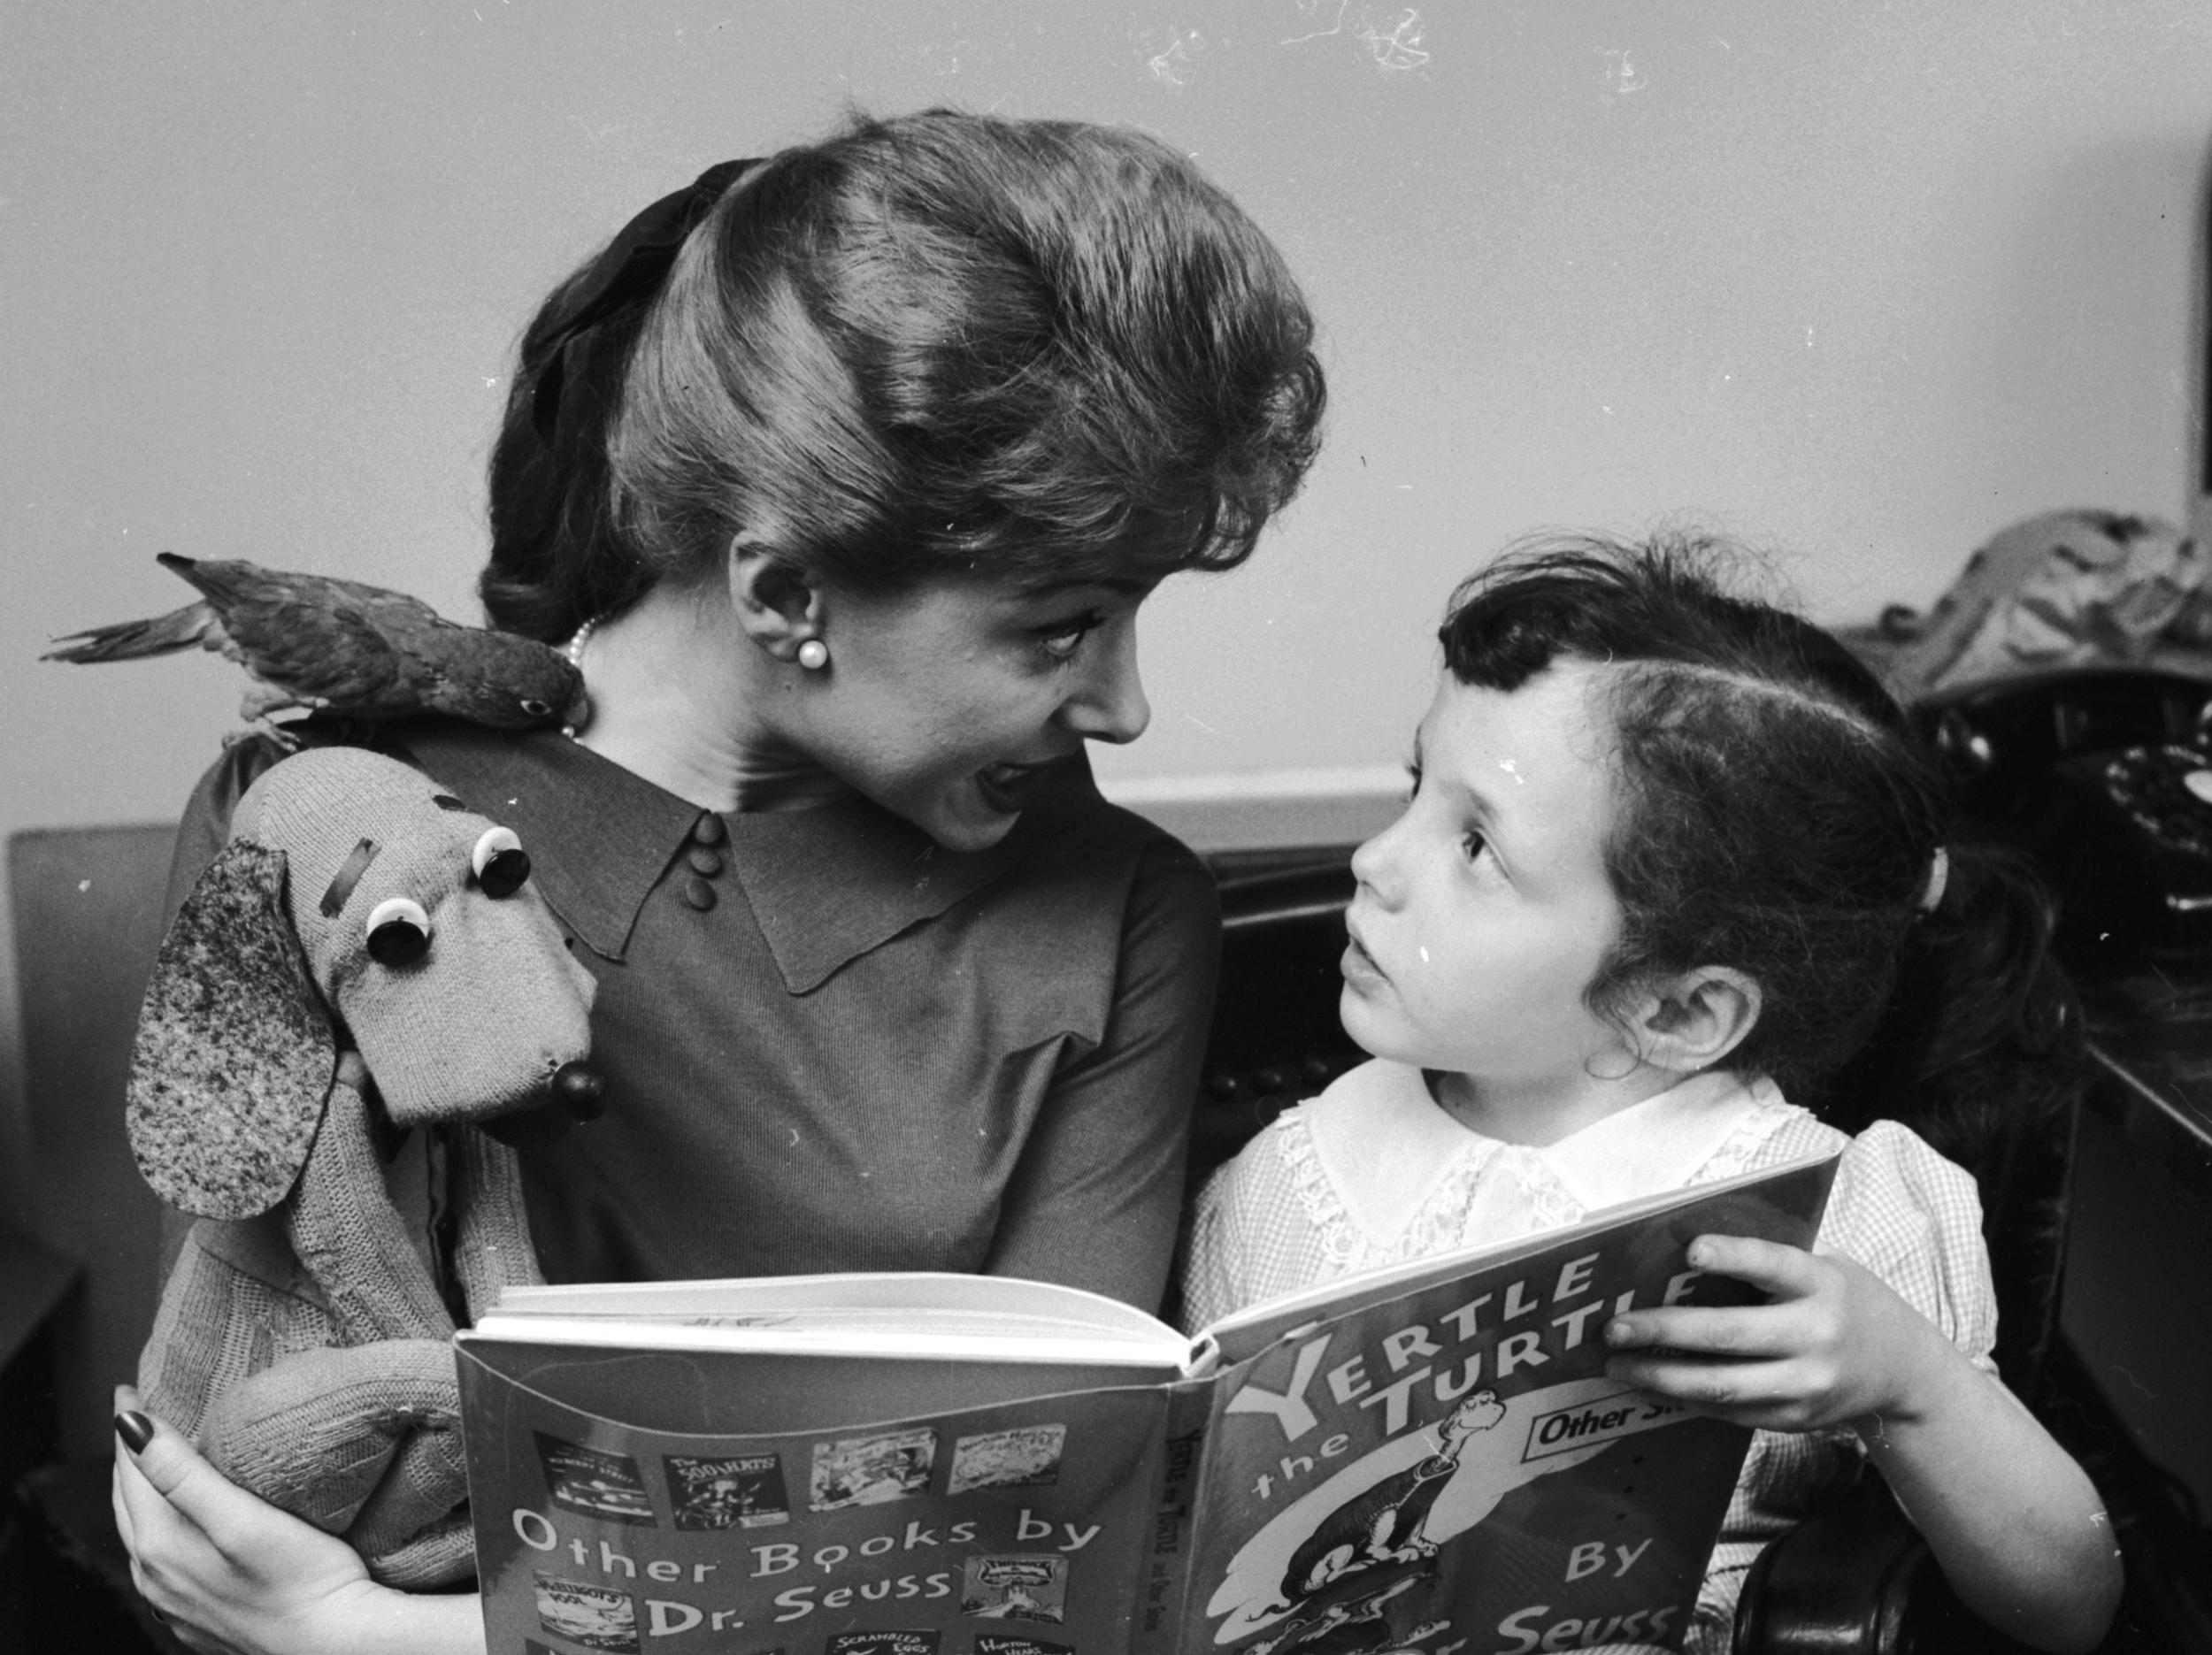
{"x":1386,"y":1523}
{"x":1391,"y":1509}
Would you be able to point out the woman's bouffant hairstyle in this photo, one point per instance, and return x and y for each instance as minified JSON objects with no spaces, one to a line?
{"x":1036,"y":351}
{"x":1777,"y":813}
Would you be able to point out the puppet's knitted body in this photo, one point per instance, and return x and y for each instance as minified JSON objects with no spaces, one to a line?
{"x":303,"y":1337}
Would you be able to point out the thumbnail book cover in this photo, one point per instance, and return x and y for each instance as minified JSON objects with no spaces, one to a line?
{"x":1430,"y":1461}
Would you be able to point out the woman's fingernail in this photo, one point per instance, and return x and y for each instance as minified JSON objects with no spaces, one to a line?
{"x":135,"y":1429}
{"x":1616,"y":1333}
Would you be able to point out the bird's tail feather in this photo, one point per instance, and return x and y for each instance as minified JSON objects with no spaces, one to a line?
{"x":194,"y":626}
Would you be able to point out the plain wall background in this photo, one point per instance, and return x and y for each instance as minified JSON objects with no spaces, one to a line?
{"x":1861,"y":281}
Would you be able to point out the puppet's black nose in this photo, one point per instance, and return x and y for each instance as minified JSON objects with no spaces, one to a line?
{"x":579,"y":1092}
{"x":575,"y":1095}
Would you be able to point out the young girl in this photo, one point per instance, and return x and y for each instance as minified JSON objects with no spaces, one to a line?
{"x":1673,"y":860}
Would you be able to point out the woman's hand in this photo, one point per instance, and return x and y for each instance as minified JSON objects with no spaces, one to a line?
{"x":232,"y":1574}
{"x":2020,"y":1532}
{"x":1835,"y":1346}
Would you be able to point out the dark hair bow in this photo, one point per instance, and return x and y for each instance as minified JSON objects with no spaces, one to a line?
{"x":622,"y":279}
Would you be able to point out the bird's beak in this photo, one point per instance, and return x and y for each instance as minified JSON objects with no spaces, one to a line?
{"x":578,"y":713}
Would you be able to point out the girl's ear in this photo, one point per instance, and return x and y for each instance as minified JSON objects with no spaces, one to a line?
{"x":1693,"y":1021}
{"x":779,"y":608}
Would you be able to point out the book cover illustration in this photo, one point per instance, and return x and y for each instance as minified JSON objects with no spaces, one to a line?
{"x":1340,"y":1556}
{"x":593,"y":1481}
{"x":728,"y":1491}
{"x":872,"y":1470}
{"x":1453,"y":1468}
{"x":1021,"y":1587}
{"x":584,"y":1613}
{"x":918,"y":1642}
{"x":885,"y":1573}
{"x":1007,"y":1460}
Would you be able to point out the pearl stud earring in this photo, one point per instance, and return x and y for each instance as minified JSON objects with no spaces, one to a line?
{"x":814,"y":654}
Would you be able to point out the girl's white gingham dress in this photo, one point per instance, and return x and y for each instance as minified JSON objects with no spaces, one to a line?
{"x":1374,"y":1172}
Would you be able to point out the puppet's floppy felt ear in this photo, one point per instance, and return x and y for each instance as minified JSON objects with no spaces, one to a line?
{"x":235,"y":1054}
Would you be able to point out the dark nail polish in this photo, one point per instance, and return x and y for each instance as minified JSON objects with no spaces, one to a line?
{"x":135,"y":1429}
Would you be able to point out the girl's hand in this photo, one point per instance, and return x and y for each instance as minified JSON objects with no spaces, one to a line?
{"x":232,"y":1574}
{"x":1835,"y":1346}
{"x":2014,"y":1524}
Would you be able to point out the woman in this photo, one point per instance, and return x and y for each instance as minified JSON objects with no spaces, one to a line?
{"x":843,"y":474}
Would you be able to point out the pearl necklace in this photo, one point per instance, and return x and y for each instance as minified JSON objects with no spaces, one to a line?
{"x":575,"y":654}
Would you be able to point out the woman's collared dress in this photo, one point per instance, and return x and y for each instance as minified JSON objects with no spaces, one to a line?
{"x":831,"y":1045}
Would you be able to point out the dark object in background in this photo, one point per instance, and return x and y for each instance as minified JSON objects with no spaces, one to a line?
{"x":2104,"y":779}
{"x":345,"y":648}
{"x":1276,"y":1035}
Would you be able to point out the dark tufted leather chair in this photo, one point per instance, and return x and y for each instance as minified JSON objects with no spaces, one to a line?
{"x":1276,"y":1037}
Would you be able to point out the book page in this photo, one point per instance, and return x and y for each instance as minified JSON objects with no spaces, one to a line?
{"x":909,"y":1312}
{"x":716,"y":1389}
{"x":960,"y":1337}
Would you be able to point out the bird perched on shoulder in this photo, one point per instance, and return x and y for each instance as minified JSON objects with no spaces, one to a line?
{"x":342,"y":648}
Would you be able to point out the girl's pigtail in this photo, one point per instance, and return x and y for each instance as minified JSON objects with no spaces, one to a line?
{"x":1982,"y":1023}
{"x":1980,"y":1052}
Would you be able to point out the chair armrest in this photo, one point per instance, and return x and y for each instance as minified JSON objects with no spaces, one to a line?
{"x":1840,"y":1582}
{"x":1855,"y":1578}
{"x":83,"y":1597}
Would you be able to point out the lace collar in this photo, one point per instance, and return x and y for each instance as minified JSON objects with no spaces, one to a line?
{"x":1384,"y":1173}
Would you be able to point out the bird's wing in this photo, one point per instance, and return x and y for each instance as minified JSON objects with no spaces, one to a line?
{"x":234,"y":586}
{"x":398,"y":616}
{"x":324,"y":654}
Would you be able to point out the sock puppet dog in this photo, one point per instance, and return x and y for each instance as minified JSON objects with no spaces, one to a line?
{"x":364,"y":962}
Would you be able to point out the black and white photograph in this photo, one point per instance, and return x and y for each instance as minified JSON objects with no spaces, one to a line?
{"x":1207,"y":653}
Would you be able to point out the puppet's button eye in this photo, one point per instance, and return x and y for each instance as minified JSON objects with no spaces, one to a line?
{"x":537,"y":709}
{"x":399,"y":931}
{"x":499,"y":862}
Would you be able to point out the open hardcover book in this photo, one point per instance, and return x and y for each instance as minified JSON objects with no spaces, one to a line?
{"x":1429,"y":1459}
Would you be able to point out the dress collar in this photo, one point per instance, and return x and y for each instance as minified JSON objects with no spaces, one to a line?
{"x":1385,"y":1144}
{"x":1660,"y":1143}
{"x":827,"y":883}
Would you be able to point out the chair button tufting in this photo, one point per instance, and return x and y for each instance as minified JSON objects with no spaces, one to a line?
{"x":699,"y":893}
